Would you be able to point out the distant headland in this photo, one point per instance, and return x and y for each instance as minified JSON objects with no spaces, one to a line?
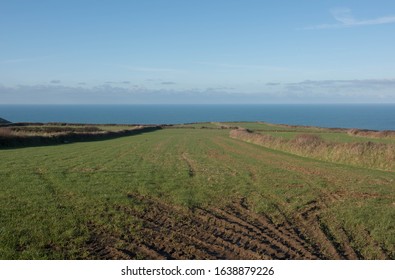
{"x":3,"y":121}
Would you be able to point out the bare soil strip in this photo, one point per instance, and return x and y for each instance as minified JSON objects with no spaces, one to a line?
{"x":231,"y":232}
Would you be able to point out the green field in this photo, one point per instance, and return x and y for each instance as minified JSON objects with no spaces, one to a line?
{"x":289,"y":132}
{"x":190,"y":193}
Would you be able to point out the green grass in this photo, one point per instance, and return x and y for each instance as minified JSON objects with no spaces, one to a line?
{"x":263,"y":126}
{"x":199,"y":125}
{"x":256,"y":125}
{"x":289,"y":132}
{"x":115,"y":128}
{"x":50,"y":195}
{"x":338,"y":137}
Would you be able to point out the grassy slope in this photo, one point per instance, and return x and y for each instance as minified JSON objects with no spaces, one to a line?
{"x":329,"y":136}
{"x":50,"y":195}
{"x":289,"y":132}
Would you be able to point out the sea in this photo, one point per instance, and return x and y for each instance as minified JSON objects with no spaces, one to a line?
{"x":362,"y":116}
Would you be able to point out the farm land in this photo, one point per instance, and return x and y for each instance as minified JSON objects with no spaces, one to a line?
{"x":196,"y":191}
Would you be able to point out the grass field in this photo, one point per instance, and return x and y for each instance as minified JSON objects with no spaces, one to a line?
{"x":190,"y":193}
{"x":364,"y":148}
{"x":330,"y":134}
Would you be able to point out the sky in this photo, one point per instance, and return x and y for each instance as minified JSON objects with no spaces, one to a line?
{"x":196,"y":51}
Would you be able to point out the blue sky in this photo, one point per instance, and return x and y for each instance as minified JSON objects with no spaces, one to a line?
{"x":197,"y":51}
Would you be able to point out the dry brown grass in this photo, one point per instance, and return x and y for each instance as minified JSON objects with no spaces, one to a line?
{"x":5,"y":132}
{"x":372,"y":133}
{"x":366,"y":154}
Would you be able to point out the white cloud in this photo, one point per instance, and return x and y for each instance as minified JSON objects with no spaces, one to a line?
{"x":367,"y":83}
{"x":345,"y":18}
{"x":148,"y":69}
{"x":310,"y":91}
{"x":243,"y":66}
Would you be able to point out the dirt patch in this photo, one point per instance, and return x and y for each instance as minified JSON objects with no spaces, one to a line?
{"x":230,"y":232}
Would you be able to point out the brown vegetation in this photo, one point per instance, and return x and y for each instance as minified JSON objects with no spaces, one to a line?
{"x":372,"y":133}
{"x":367,"y":154}
{"x":5,"y":132}
{"x":55,"y":129}
{"x":27,"y":135}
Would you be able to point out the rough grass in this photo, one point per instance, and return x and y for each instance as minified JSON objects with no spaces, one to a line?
{"x":50,"y":130}
{"x":264,"y":126}
{"x":5,"y":132}
{"x":51,"y":196}
{"x":332,"y":134}
{"x":341,"y":137}
{"x":23,"y":135}
{"x":372,"y":134}
{"x":365,"y":154}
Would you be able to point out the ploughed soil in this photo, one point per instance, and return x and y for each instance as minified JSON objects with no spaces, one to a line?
{"x":163,"y":231}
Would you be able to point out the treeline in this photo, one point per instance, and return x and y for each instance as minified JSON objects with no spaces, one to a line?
{"x":364,"y":154}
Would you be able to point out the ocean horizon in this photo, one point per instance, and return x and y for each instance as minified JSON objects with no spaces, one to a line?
{"x":362,"y":116}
